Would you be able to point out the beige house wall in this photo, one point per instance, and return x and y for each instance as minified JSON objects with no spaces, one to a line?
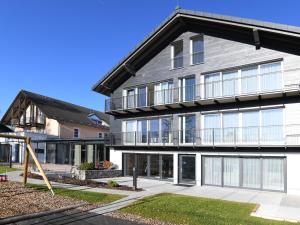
{"x":67,"y":131}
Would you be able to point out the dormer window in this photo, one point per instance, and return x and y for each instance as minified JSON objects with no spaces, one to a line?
{"x":197,"y":50}
{"x":76,"y":133}
{"x":95,"y":119}
{"x":177,"y":55}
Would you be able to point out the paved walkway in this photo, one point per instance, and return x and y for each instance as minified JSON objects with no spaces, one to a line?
{"x":273,"y":205}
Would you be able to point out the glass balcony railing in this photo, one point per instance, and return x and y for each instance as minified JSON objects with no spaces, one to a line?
{"x":278,"y":135}
{"x":258,"y":84}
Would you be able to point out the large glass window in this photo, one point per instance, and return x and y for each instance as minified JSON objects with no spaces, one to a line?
{"x":251,"y":173}
{"x":273,"y":173}
{"x":249,"y":80}
{"x":130,"y":132}
{"x":187,"y":129}
{"x":213,"y":170}
{"x":212,"y":128}
{"x":154,"y":131}
{"x":212,"y":85}
{"x":266,"y":173}
{"x":231,"y":171}
{"x":142,"y":132}
{"x":272,"y":125}
{"x":250,"y":127}
{"x":197,"y":50}
{"x":230,"y":130}
{"x":188,"y":89}
{"x":163,"y":93}
{"x":271,"y":78}
{"x":230,"y":83}
{"x":177,"y":55}
{"x":166,"y":130}
{"x":130,"y":98}
{"x":167,"y":166}
{"x":142,"y":97}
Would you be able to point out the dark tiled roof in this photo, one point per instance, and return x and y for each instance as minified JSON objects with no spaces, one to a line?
{"x":62,"y":111}
{"x":235,"y":21}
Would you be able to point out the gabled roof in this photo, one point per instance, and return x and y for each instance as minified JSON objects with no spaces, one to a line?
{"x":268,"y":35}
{"x":61,"y":111}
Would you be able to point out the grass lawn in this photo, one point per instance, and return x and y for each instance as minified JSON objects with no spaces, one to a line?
{"x":90,"y":197}
{"x":4,"y":169}
{"x":180,"y":209}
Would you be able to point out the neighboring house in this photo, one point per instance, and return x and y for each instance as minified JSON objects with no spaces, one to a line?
{"x":209,"y":100}
{"x":61,"y":132}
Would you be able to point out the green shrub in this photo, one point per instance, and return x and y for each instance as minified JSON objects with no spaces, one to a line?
{"x":87,"y":166}
{"x":112,"y":183}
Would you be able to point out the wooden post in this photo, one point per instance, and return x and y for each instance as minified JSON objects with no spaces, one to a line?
{"x":26,"y":162}
{"x":30,"y":150}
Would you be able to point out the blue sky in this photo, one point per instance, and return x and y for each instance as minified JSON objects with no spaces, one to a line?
{"x":60,"y":48}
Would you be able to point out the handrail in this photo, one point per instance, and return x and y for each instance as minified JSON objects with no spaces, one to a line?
{"x":232,"y":136}
{"x":204,"y":91}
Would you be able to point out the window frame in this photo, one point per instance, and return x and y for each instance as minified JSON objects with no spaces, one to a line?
{"x":192,"y":39}
{"x":173,"y":46}
{"x":78,"y":132}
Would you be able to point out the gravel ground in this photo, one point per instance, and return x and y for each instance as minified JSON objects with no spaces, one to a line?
{"x":138,"y":219}
{"x":17,"y":200}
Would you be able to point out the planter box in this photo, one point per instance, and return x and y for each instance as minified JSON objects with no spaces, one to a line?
{"x":96,"y":174}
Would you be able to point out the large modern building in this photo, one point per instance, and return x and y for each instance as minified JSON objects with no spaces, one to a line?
{"x":61,"y":132}
{"x":209,"y":99}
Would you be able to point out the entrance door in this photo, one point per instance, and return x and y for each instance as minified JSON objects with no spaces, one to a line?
{"x":187,"y":168}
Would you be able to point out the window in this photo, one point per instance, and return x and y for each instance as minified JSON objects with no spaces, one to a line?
{"x":142,"y":97}
{"x":177,"y":55}
{"x":76,"y":133}
{"x":247,"y":127}
{"x":130,"y":128}
{"x":244,"y":81}
{"x":249,"y":80}
{"x":212,"y":128}
{"x":163,"y":93}
{"x":142,"y":131}
{"x":166,"y":129}
{"x":130,"y":98}
{"x":230,"y":124}
{"x":95,"y":119}
{"x":100,"y":135}
{"x":187,"y":128}
{"x":271,"y":78}
{"x":187,"y":88}
{"x":212,"y":83}
{"x":154,"y":131}
{"x":197,"y":50}
{"x":230,"y":83}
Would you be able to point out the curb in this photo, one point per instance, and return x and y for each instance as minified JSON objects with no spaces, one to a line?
{"x":15,"y":219}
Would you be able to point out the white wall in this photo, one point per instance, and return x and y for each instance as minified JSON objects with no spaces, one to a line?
{"x":116,"y":157}
{"x":293,"y":177}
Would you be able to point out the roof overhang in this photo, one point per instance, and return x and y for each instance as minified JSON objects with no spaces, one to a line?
{"x":259,"y":34}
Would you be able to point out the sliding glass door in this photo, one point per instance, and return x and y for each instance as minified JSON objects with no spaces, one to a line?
{"x":212,"y":84}
{"x":271,"y":77}
{"x":263,"y":173}
{"x":188,"y":89}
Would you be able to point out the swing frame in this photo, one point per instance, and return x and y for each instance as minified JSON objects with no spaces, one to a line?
{"x":29,"y":151}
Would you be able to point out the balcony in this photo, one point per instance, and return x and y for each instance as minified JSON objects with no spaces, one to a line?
{"x":276,"y":135}
{"x":29,"y":121}
{"x":253,"y":87}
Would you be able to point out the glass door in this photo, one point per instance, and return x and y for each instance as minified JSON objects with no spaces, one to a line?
{"x":187,"y":169}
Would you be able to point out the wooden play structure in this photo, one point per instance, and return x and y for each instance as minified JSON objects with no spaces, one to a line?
{"x":29,"y":152}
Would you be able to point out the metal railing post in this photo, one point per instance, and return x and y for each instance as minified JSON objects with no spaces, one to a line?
{"x":213,"y":131}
